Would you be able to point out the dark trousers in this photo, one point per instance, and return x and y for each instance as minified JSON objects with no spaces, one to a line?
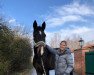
{"x":71,"y":73}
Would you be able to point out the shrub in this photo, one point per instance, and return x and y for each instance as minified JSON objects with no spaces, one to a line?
{"x":15,"y":52}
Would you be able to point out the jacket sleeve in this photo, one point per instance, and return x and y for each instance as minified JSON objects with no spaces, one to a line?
{"x":69,"y":60}
{"x":52,"y":50}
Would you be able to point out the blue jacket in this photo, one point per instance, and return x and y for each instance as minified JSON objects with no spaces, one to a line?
{"x":64,"y":61}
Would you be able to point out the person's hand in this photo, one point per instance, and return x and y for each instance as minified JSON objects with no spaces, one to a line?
{"x":41,"y":43}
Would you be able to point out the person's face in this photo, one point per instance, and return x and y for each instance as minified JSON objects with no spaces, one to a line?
{"x":62,"y":45}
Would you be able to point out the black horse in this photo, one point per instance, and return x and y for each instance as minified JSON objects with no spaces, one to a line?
{"x":45,"y":62}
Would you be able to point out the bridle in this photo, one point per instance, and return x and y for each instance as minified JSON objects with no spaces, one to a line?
{"x":39,"y":47}
{"x":41,"y":51}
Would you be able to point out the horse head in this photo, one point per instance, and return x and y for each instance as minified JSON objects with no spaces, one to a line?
{"x":38,"y":34}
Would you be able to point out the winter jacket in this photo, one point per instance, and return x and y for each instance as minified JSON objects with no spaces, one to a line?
{"x":63,"y":61}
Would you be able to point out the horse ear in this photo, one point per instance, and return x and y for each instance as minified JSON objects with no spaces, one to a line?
{"x":43,"y":25}
{"x":35,"y":24}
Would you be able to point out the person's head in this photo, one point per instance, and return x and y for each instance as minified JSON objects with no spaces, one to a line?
{"x":63,"y":45}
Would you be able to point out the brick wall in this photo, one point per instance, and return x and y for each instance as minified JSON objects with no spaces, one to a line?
{"x":79,"y":61}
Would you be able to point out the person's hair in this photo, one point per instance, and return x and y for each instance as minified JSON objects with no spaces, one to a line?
{"x":64,"y":42}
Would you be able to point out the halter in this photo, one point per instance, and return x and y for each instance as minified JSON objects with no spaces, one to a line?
{"x":36,"y":45}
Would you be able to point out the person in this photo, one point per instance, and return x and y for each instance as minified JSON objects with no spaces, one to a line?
{"x":63,"y":58}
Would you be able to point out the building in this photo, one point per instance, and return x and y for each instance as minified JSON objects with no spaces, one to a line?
{"x":79,"y":59}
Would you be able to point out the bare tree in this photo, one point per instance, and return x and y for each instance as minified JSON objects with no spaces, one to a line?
{"x":55,"y":40}
{"x":90,"y":42}
{"x":73,"y":41}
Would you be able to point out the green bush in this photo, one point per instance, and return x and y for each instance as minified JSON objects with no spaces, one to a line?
{"x":15,"y":52}
{"x":21,"y":53}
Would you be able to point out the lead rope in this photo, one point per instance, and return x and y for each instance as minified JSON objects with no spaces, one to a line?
{"x":43,"y":67}
{"x":42,"y":61}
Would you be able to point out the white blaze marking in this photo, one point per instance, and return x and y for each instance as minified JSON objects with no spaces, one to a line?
{"x":42,"y":51}
{"x":40,"y":32}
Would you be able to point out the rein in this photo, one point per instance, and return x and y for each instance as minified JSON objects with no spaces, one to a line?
{"x":42,"y":47}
